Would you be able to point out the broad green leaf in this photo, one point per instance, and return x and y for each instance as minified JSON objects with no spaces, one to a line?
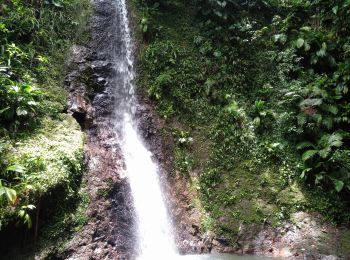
{"x":318,"y":118}
{"x":307,"y":46}
{"x":335,"y":140}
{"x":324,"y":152}
{"x":300,"y":42}
{"x":308,"y":154}
{"x":301,"y":119}
{"x":335,"y":9}
{"x":306,"y":144}
{"x":2,"y":191}
{"x":257,"y":121}
{"x":319,"y":178}
{"x":16,"y":168}
{"x":27,"y":88}
{"x":274,"y":145}
{"x":29,"y":187}
{"x":331,"y":109}
{"x":321,"y":53}
{"x":27,"y":220}
{"x":314,"y":59}
{"x":338,"y":185}
{"x":20,"y":111}
{"x":303,"y":174}
{"x":11,"y":195}
{"x":305,"y":28}
{"x":57,"y":3}
{"x":282,"y":38}
{"x":4,"y":110}
{"x":311,"y":102}
{"x":21,"y":213}
{"x":144,"y":28}
{"x":328,"y":122}
{"x":31,"y":207}
{"x":32,"y":103}
{"x":217,"y":54}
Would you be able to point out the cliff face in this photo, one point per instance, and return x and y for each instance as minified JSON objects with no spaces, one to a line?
{"x":110,"y":231}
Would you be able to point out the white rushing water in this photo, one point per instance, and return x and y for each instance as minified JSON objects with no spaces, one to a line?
{"x":154,"y":229}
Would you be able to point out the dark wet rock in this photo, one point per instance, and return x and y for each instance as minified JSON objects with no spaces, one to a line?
{"x":97,"y":56}
{"x":109,"y":233}
{"x":102,"y":67}
{"x":101,"y":82}
{"x":223,"y":241}
{"x":80,"y":107}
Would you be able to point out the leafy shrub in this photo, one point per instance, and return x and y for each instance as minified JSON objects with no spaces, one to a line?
{"x":34,"y":37}
{"x":20,"y":102}
{"x":267,"y":81}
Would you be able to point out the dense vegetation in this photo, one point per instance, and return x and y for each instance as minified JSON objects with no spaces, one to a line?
{"x":40,"y":146}
{"x":256,"y":95}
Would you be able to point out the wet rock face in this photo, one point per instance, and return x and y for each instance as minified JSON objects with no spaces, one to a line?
{"x":109,"y":233}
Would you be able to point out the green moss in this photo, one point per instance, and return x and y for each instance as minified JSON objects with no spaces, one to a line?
{"x":49,"y":149}
{"x":51,"y":156}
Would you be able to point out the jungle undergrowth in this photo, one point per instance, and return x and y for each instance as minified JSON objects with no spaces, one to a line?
{"x":245,"y":87}
{"x":41,"y":146}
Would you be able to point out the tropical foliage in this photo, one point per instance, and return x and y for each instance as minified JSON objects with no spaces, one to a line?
{"x":267,"y":81}
{"x":34,"y":38}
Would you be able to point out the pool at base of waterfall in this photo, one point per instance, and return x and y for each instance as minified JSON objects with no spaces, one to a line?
{"x":214,"y":256}
{"x":225,"y":257}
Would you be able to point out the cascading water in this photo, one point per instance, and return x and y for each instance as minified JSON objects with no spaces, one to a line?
{"x":154,"y":229}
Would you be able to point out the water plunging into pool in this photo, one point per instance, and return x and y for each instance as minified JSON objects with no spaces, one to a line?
{"x":153,"y":224}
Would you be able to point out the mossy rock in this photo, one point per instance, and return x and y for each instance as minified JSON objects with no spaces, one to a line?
{"x":51,"y":156}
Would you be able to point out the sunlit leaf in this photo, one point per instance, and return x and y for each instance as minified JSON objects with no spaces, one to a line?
{"x":21,"y":111}
{"x":11,"y":194}
{"x":300,"y":42}
{"x":335,"y":140}
{"x":307,"y":46}
{"x":308,"y":154}
{"x":4,"y":110}
{"x":335,"y":9}
{"x":306,"y":144}
{"x":311,"y":102}
{"x":321,"y":53}
{"x":27,"y":220}
{"x":15,"y":168}
{"x":338,"y":185}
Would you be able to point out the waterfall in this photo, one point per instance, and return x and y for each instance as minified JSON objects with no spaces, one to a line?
{"x":154,"y":230}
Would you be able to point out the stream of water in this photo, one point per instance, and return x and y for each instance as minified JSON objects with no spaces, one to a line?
{"x":155,"y":236}
{"x":154,"y":229}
